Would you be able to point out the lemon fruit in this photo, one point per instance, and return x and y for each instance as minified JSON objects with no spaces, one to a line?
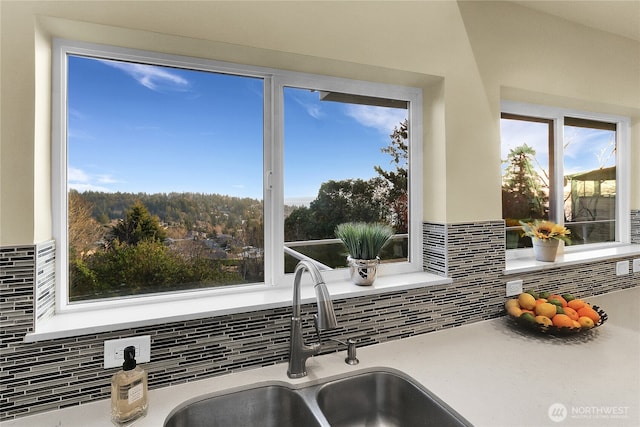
{"x":526,"y":301}
{"x":546,"y":309}
{"x":511,"y":303}
{"x":586,"y":322}
{"x":543,"y":320}
{"x":514,"y":311}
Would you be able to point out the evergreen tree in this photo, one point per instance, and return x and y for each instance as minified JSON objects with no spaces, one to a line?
{"x":523,"y":192}
{"x":138,"y":225}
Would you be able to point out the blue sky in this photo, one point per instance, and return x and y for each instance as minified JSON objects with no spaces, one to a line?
{"x":139,"y":128}
{"x":584,"y":149}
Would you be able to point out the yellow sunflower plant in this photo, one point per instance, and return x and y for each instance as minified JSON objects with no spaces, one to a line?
{"x":546,"y":230}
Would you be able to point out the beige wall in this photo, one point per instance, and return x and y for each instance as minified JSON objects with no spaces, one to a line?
{"x":465,"y":55}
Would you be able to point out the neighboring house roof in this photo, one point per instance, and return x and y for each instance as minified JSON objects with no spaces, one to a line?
{"x":602,"y":174}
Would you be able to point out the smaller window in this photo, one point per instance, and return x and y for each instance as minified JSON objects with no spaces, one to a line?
{"x":566,"y":167}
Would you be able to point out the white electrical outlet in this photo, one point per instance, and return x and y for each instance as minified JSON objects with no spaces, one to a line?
{"x":622,"y":268}
{"x":636,"y":265}
{"x":514,"y":287}
{"x":114,"y":350}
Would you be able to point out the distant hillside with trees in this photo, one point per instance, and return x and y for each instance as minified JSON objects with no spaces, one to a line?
{"x":137,"y":243}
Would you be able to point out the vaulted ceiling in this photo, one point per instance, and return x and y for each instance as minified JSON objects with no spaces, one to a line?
{"x":617,"y":17}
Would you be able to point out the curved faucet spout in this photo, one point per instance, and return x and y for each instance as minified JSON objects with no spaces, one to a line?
{"x":326,"y":319}
{"x":326,"y":314}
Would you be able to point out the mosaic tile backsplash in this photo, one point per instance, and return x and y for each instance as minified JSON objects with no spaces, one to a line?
{"x":635,"y":226}
{"x":42,"y":376}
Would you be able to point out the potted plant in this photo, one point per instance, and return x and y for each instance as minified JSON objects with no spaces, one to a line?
{"x":364,"y":241}
{"x":546,"y":236}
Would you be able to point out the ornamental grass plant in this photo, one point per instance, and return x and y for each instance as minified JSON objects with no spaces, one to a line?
{"x":364,"y":240}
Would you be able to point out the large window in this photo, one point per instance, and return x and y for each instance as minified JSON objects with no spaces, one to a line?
{"x":175,"y":174}
{"x":567,"y":167}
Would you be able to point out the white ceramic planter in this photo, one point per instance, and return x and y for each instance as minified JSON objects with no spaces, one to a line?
{"x":545,"y":249}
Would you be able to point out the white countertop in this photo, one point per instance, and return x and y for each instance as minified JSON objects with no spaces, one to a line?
{"x":490,"y":373}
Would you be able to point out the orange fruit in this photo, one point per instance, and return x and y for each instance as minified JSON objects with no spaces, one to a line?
{"x":576,"y":304}
{"x":571,"y":313}
{"x":540,"y":301}
{"x":562,"y":321}
{"x":559,"y":298}
{"x":524,"y":310}
{"x":590,"y":313}
{"x":586,"y":322}
{"x":546,"y":309}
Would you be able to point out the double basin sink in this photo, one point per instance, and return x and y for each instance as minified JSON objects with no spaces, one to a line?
{"x":373,"y":399}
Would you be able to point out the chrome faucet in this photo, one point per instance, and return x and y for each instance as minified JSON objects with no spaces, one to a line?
{"x":325,"y":319}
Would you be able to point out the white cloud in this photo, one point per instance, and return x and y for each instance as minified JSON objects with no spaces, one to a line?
{"x":78,"y":135}
{"x":380,"y":118}
{"x":81,"y":188}
{"x":81,"y":181}
{"x":76,"y":113}
{"x":314,"y":111}
{"x":308,"y":101}
{"x":515,"y":133}
{"x":77,"y":175}
{"x":150,"y":76}
{"x":106,"y":179}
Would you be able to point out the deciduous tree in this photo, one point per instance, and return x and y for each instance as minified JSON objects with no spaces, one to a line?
{"x":84,"y":231}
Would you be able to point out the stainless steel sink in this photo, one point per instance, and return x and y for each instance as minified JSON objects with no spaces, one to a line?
{"x":380,"y":398}
{"x":268,"y":406}
{"x":383,"y":399}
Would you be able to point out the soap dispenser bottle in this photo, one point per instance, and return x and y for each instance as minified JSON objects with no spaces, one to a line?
{"x":128,"y":390}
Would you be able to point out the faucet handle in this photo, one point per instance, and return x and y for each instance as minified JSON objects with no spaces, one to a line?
{"x":317,"y":326}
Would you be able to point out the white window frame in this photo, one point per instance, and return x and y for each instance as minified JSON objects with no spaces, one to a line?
{"x":623,"y":184}
{"x":274,"y":83}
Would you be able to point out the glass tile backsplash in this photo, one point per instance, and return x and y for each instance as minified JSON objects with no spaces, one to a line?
{"x":47,"y":375}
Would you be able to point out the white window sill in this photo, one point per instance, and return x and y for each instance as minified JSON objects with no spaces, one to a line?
{"x":212,"y":304}
{"x":526,"y":264}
